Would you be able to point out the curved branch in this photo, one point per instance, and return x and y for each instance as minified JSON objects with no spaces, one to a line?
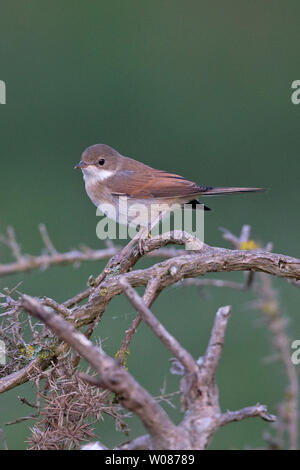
{"x":248,"y":412}
{"x":189,"y":265}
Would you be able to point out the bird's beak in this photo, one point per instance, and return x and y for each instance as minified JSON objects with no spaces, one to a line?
{"x":81,"y":164}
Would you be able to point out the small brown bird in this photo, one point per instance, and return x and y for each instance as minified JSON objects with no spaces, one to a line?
{"x":109,"y":175}
{"x":110,"y":178}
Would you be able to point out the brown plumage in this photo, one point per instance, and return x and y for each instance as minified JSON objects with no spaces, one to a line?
{"x":139,"y":181}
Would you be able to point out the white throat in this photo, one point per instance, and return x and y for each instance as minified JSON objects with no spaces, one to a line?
{"x":91,"y":174}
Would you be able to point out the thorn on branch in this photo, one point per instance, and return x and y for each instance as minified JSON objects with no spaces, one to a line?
{"x":11,"y":241}
{"x":46,"y":239}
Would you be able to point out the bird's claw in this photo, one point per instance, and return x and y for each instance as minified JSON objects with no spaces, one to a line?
{"x":141,"y":244}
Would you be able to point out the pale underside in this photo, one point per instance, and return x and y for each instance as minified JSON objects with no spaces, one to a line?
{"x":134,"y":201}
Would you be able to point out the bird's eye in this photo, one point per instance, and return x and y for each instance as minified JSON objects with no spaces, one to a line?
{"x":102,"y":161}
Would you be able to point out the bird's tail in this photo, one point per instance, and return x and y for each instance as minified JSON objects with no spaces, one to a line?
{"x":228,"y":190}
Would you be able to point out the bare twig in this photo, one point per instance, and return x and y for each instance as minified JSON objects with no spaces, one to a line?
{"x":30,"y":263}
{"x":23,"y":375}
{"x":11,"y":242}
{"x":46,"y":239}
{"x":65,"y":312}
{"x":249,"y":412}
{"x":32,"y":405}
{"x":216,"y":343}
{"x":201,"y":399}
{"x":26,"y":263}
{"x":167,"y":339}
{"x":151,"y":293}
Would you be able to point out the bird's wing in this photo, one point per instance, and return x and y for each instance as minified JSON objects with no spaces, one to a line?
{"x":151,"y":183}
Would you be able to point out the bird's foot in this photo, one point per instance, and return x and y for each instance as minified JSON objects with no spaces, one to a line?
{"x":141,"y":244}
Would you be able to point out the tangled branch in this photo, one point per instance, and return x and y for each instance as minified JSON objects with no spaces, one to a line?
{"x":199,"y":392}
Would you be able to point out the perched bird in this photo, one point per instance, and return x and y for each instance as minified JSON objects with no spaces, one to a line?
{"x":109,"y":176}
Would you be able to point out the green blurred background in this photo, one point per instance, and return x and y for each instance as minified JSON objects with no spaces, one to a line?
{"x":201,"y":88}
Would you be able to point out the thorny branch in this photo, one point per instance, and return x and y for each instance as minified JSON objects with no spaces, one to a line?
{"x":51,"y":257}
{"x":269,"y":305}
{"x":199,"y":393}
{"x":112,"y":375}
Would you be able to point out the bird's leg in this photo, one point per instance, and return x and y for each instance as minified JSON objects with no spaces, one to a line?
{"x":140,"y":237}
{"x":154,"y":222}
{"x":146,"y":233}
